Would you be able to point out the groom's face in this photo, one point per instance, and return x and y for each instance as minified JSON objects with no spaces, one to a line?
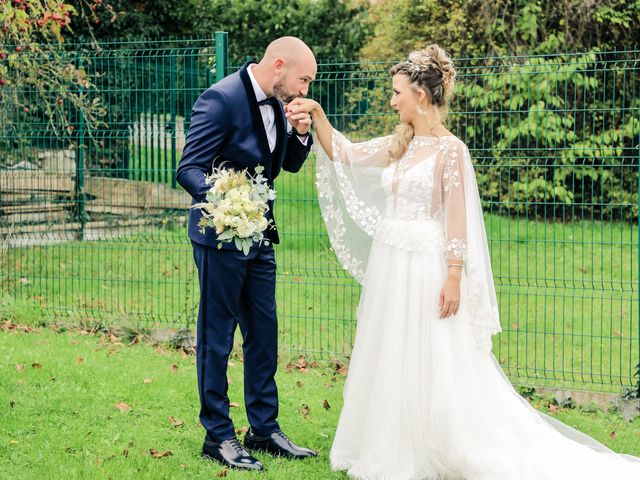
{"x":295,"y":80}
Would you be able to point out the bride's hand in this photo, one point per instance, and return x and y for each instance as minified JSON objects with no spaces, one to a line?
{"x":449,"y":301}
{"x":298,"y":113}
{"x":302,"y":105}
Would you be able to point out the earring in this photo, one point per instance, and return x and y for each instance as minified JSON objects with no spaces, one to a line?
{"x":421,"y":111}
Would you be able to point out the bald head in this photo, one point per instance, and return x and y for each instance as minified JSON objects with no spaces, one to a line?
{"x":289,"y":49}
{"x":286,"y":69}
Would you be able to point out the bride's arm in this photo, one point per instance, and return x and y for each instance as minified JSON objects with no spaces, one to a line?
{"x":324,"y":129}
{"x":455,"y":219}
{"x":337,"y":147}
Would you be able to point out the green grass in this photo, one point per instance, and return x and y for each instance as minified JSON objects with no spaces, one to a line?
{"x":567,"y":291}
{"x":61,"y":421}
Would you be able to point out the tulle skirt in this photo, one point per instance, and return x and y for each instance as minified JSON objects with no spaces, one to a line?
{"x":422,"y":401}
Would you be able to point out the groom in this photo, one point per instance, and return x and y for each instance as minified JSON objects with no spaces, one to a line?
{"x":240,"y":123}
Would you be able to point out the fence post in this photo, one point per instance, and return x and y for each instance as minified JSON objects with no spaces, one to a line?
{"x":638,"y":260}
{"x":172,"y":120}
{"x":222,"y":55}
{"x":80,"y":169}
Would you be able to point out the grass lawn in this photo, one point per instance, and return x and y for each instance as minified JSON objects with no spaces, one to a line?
{"x":83,"y":406}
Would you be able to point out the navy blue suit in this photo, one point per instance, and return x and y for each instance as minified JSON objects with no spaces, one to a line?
{"x":227,"y":128}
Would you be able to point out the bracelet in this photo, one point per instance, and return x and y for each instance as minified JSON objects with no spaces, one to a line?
{"x":455,"y":265}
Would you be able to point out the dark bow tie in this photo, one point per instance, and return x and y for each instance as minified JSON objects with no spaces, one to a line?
{"x":273,"y":101}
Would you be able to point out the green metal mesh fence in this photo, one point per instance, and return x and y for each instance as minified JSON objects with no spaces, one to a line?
{"x":94,"y":226}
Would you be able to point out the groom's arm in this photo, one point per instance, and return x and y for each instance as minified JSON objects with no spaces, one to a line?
{"x":296,"y":153}
{"x":206,"y":135}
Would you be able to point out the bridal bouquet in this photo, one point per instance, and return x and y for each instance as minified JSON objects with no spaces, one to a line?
{"x":236,"y":206}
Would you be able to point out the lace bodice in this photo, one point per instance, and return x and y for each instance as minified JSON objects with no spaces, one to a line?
{"x":425,"y":185}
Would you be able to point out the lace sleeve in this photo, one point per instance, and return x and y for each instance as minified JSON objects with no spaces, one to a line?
{"x":455,"y":214}
{"x":370,"y":153}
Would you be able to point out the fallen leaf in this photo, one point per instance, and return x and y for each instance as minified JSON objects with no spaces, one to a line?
{"x":123,"y":407}
{"x":99,"y":461}
{"x":113,"y":338}
{"x":304,"y":410}
{"x":234,"y":405}
{"x":183,"y":466}
{"x":148,"y":380}
{"x":36,"y":365}
{"x":222,"y":473}
{"x":302,"y":364}
{"x":156,"y":454}
{"x":19,"y":367}
{"x":241,"y":430}
{"x":174,"y":368}
{"x":299,"y":384}
{"x":613,"y":435}
{"x":175,"y":422}
{"x":79,"y":360}
{"x":554,"y":408}
{"x":340,"y":368}
{"x":325,"y":404}
{"x":231,"y":364}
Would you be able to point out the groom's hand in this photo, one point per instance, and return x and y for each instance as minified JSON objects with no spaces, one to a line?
{"x":299,"y":111}
{"x":299,"y":119}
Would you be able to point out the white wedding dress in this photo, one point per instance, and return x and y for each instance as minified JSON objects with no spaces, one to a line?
{"x":425,"y":398}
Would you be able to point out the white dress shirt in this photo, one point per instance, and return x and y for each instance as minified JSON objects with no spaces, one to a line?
{"x":268,"y":114}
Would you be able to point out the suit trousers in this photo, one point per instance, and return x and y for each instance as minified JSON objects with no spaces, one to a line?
{"x":237,"y":290}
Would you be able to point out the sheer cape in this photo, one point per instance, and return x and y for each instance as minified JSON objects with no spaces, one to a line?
{"x":354,"y":201}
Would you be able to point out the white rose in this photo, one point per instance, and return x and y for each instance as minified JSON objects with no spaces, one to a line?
{"x":235,"y":222}
{"x":262,"y":224}
{"x":222,"y":184}
{"x":233,"y":195}
{"x":245,"y":228}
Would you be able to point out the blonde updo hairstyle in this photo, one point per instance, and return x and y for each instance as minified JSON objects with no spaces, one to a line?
{"x":431,"y":70}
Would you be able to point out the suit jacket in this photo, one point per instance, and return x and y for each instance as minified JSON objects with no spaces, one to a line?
{"x":226,"y":125}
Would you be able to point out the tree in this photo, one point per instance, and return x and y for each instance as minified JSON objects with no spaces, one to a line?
{"x":334,"y":29}
{"x":501,"y":27}
{"x":40,"y":84}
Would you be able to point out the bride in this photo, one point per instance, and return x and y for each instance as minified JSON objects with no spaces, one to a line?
{"x":425,"y":398}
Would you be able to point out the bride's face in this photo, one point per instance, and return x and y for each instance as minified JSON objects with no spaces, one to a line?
{"x":405,"y":98}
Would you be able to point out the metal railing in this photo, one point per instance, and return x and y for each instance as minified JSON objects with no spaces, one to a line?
{"x":94,"y":225}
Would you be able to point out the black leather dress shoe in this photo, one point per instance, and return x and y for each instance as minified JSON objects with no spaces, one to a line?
{"x":230,"y":453}
{"x":277,"y":444}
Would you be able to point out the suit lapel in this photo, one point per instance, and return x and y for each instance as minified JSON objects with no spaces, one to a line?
{"x":258,"y":124}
